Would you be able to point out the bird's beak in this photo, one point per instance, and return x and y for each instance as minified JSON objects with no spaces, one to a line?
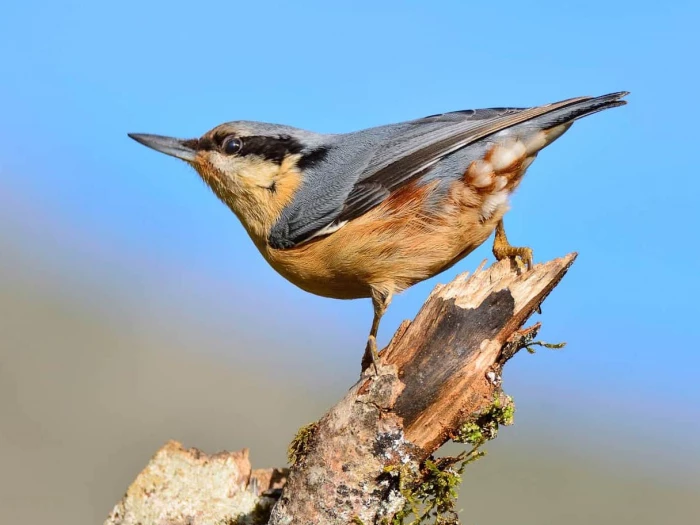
{"x":168,"y":145}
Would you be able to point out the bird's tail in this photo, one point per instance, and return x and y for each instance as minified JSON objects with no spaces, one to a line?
{"x":579,"y":108}
{"x":553,"y":124}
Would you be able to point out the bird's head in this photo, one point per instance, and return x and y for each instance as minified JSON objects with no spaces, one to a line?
{"x":254,"y":168}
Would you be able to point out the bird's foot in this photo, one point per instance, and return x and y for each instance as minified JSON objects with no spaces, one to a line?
{"x":521,"y":255}
{"x":502,"y":249}
{"x":371,"y":356}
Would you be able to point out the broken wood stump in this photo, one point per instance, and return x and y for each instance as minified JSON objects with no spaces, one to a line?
{"x":369,"y":459}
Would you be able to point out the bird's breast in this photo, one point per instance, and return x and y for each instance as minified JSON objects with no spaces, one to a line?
{"x":410,"y":237}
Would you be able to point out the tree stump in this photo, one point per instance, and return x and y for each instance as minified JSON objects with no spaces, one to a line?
{"x":369,"y":458}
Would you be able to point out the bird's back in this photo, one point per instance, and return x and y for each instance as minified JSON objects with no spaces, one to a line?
{"x":393,"y":205}
{"x":359,"y":170}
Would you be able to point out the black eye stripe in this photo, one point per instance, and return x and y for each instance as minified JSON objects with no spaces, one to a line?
{"x":206,"y":144}
{"x":274,"y":149}
{"x":313,"y":157}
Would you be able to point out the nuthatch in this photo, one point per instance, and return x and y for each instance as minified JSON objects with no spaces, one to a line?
{"x":370,"y":213}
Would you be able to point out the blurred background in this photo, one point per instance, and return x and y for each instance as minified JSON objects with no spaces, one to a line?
{"x":134,"y":309}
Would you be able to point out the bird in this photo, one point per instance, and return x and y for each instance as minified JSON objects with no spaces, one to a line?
{"x":369,"y":213}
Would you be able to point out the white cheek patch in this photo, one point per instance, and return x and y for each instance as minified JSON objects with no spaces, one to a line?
{"x":224,"y":163}
{"x":245,"y":172}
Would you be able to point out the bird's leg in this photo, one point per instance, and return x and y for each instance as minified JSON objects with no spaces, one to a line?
{"x":380,"y":302}
{"x":503,"y":250}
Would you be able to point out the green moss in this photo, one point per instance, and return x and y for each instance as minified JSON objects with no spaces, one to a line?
{"x":260,"y":515}
{"x":485,"y":427}
{"x":438,"y":491}
{"x":406,"y":480}
{"x":470,"y":433}
{"x":299,"y":446}
{"x":552,"y":346}
{"x":430,"y":495}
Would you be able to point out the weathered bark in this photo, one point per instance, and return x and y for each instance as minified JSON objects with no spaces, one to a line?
{"x":438,"y":373}
{"x":187,"y":487}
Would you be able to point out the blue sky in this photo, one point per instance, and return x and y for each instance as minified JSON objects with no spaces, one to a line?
{"x":620,"y":187}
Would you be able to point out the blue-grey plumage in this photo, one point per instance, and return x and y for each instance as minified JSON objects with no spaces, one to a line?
{"x":370,"y":213}
{"x":361,"y":169}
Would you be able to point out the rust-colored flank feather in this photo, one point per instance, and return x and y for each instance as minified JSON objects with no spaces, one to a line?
{"x":405,"y":240}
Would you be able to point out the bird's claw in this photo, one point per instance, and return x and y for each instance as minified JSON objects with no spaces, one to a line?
{"x":502,"y":249}
{"x":521,"y":255}
{"x":371,"y":355}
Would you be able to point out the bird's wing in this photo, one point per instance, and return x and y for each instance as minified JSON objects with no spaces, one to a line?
{"x":381,"y":160}
{"x":410,"y":154}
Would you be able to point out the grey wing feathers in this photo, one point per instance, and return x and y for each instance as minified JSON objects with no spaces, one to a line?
{"x":390,"y":167}
{"x":385,"y":158}
{"x":415,"y":151}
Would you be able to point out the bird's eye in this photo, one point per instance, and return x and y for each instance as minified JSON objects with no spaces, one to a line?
{"x":231,"y":145}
